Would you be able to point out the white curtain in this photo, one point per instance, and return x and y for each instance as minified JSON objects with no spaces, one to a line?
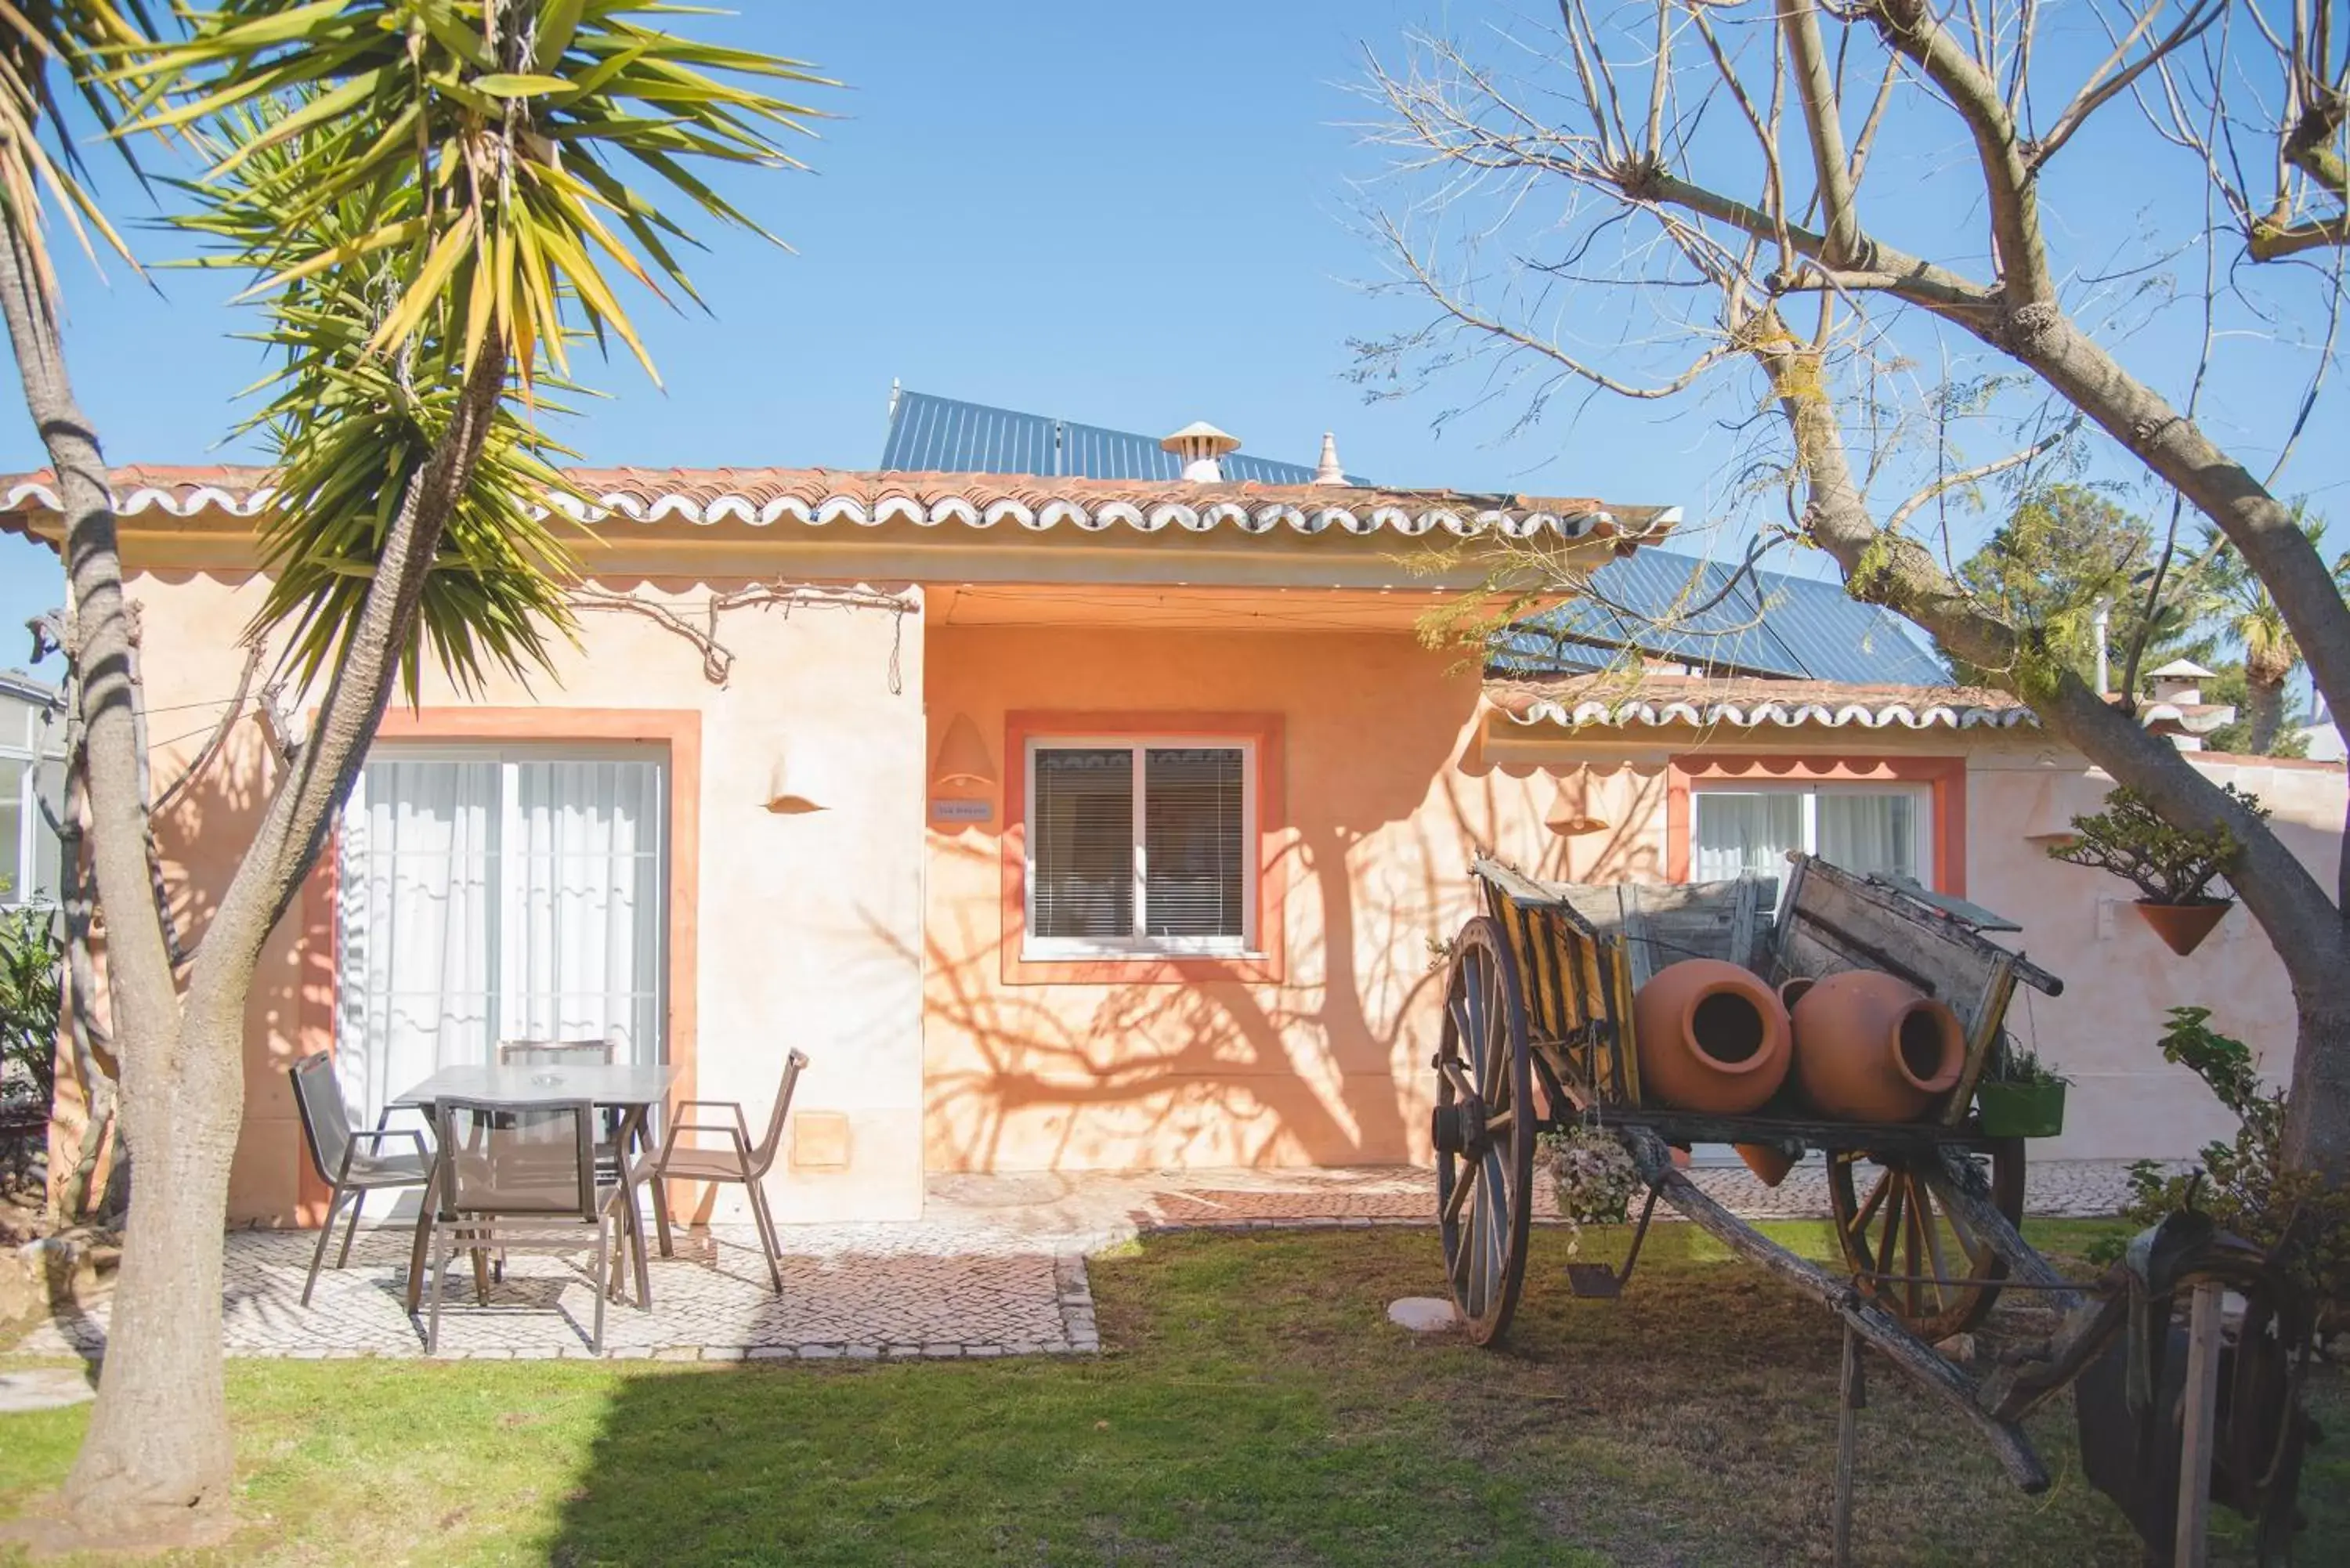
{"x":495,"y":899}
{"x":417,"y":926}
{"x":1738,"y":833}
{"x":584,"y":960}
{"x":1869,"y":833}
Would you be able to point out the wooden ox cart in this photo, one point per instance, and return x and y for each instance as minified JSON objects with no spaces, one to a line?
{"x":1538,"y":1035}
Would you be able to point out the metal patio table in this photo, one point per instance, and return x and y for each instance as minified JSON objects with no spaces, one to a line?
{"x":632,"y":1090}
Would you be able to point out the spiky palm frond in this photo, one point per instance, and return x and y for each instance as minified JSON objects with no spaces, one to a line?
{"x":425,"y":182}
{"x":2249,"y":613}
{"x":40,"y":167}
{"x":495,"y":142}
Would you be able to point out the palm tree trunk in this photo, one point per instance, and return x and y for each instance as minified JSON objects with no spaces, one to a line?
{"x":159,"y":1438}
{"x":2264,"y":705}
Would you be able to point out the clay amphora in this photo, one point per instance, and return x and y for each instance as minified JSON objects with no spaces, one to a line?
{"x":1871,"y":1047}
{"x":1712,"y":1038}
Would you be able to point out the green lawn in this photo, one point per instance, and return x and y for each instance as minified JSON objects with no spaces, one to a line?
{"x":1254,"y":1408}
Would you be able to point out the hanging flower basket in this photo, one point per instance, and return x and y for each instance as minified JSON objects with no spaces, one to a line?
{"x":2174,"y":867}
{"x":2183,"y":927}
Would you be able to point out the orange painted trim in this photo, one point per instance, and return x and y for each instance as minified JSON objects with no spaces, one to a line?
{"x":679,"y":730}
{"x":1270,"y":963}
{"x":318,"y":963}
{"x":1946,"y":776}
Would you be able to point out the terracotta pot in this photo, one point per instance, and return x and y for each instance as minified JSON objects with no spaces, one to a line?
{"x":1712,"y":1038}
{"x":1871,"y":1047}
{"x":1770,"y":1162}
{"x":2183,"y":927}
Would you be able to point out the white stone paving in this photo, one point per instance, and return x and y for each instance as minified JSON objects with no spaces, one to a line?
{"x":712,"y":1301}
{"x":996,"y":1267}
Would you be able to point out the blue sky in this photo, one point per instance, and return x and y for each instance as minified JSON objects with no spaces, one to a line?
{"x":1079,"y":209}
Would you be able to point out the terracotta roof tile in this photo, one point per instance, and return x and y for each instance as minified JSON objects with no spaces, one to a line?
{"x":761,"y":497}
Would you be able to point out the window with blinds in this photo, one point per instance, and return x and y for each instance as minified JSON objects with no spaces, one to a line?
{"x":1140,"y":846}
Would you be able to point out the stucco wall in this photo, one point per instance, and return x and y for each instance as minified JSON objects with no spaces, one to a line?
{"x":1329,"y":1062}
{"x":804,"y":929}
{"x":2120,"y":981}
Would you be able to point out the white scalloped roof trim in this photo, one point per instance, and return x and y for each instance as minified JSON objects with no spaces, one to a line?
{"x":2200,"y":721}
{"x":1879,"y":715}
{"x":898,"y":507}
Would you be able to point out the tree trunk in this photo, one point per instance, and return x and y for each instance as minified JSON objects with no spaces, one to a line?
{"x":157,"y":1460}
{"x":158,"y":1444}
{"x":2264,"y":707}
{"x":2302,"y":921}
{"x":2317,"y":1112}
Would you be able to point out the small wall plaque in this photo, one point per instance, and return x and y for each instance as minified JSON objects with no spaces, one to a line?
{"x":962,"y":810}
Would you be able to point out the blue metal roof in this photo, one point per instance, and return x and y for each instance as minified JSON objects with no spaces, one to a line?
{"x":1689,"y":611}
{"x":942,"y":435}
{"x":1765,"y":623}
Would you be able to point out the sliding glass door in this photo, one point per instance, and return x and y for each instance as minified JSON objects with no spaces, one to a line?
{"x":489,"y":894}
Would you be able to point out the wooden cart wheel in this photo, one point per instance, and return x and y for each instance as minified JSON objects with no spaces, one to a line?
{"x":1896,"y":1227}
{"x":1484,"y":1131}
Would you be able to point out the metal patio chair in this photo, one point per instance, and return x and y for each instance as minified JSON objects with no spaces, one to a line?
{"x":520,"y":1178}
{"x":571,"y":1053}
{"x":581,"y":1054}
{"x":350,"y":1159}
{"x":740,"y":1161}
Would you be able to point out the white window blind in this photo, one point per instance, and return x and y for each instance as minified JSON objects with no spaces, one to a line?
{"x":1192,"y":850}
{"x":489,"y":896}
{"x":1140,"y":846}
{"x":1083,"y":867}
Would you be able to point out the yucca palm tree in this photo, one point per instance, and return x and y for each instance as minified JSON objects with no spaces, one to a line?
{"x":2249,"y":616}
{"x":439,"y":198}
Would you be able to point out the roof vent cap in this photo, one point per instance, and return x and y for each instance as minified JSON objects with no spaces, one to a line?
{"x":1327,"y":471}
{"x":1199,"y":444}
{"x":2181,"y":681}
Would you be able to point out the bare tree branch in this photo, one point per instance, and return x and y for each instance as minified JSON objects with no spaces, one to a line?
{"x":1981,"y":471}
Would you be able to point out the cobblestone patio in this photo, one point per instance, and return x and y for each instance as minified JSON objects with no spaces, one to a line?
{"x":711,"y":1302}
{"x":995,"y":1267}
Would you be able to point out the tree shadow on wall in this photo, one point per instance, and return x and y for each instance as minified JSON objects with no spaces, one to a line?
{"x":1328,"y":1066}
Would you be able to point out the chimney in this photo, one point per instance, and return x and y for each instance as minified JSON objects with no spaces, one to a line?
{"x":1327,"y":471}
{"x":2181,"y":681}
{"x":1199,"y":444}
{"x":2101,"y":624}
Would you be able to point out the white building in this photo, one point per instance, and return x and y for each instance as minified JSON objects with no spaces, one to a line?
{"x":32,"y":774}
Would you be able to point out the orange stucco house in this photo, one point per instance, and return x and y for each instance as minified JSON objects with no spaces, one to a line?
{"x":1064,"y":823}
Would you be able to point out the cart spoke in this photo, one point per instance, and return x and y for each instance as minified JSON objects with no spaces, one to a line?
{"x":1868,"y":1211}
{"x":1915,"y":1192}
{"x":1492,"y":1085}
{"x":1494,"y":1227}
{"x":1459,"y":1193}
{"x":1474,"y":1045}
{"x":1881,"y":1258}
{"x":1933,"y":1232}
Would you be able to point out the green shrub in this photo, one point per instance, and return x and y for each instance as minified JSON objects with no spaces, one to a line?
{"x":2170,"y":865}
{"x":29,"y":954}
{"x":2242,"y":1184}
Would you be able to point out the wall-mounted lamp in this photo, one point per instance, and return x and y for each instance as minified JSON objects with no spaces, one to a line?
{"x":962,"y":761}
{"x":1573,"y":812}
{"x":2062,"y":798}
{"x":791,"y":790}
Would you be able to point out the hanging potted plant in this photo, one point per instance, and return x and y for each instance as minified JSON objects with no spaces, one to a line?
{"x":2019,"y":1097}
{"x":2173,"y":867}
